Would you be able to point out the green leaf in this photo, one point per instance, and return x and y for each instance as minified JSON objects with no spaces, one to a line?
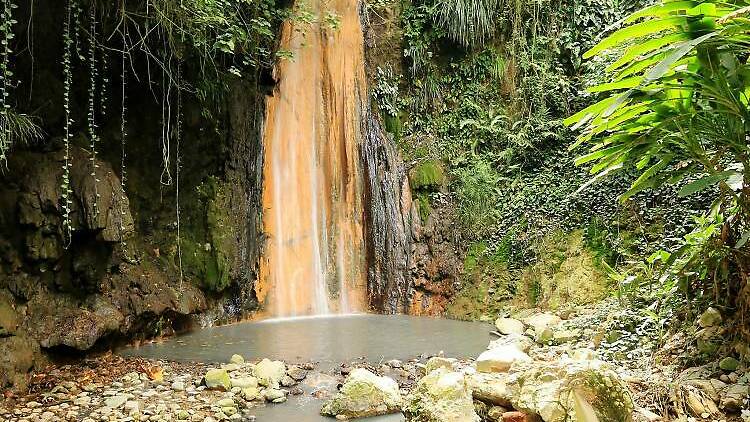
{"x":599,"y":176}
{"x":635,"y":31}
{"x":649,"y":46}
{"x":646,"y":179}
{"x":743,"y":240}
{"x":705,"y":182}
{"x":598,"y":154}
{"x":684,"y":48}
{"x":661,"y":10}
{"x":626,"y":83}
{"x":589,"y":112}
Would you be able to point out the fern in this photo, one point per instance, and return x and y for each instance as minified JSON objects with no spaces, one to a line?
{"x":16,"y":128}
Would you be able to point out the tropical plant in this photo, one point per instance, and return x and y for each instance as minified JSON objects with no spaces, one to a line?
{"x":677,"y":111}
{"x":238,"y":28}
{"x":679,"y":100}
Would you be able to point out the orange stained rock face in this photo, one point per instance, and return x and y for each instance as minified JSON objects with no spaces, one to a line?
{"x":314,"y":261}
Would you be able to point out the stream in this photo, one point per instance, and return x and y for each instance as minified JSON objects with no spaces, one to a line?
{"x":326,"y":340}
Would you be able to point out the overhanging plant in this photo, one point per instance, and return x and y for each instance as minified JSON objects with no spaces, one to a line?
{"x":675,"y":109}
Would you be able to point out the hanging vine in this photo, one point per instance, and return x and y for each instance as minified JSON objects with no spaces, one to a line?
{"x":93,"y":132}
{"x":6,"y":27}
{"x":67,"y":192}
{"x":103,"y":81}
{"x":178,"y":138}
{"x":123,"y":133}
{"x":166,"y":120}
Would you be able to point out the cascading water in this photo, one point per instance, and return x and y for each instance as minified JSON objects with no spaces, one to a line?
{"x":314,"y":261}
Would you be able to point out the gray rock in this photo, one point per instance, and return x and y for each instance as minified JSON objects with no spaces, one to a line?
{"x":225,"y":403}
{"x":251,"y":393}
{"x":436,"y":362}
{"x":287,"y":381}
{"x":115,"y":401}
{"x":490,"y":388}
{"x":297,"y":373}
{"x":500,"y":359}
{"x":734,"y":396}
{"x":569,"y":390}
{"x":520,"y":341}
{"x":273,"y":394}
{"x":541,"y":321}
{"x":244,"y":382}
{"x":509,"y":326}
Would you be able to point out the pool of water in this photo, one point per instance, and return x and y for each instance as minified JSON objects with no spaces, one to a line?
{"x":329,"y":341}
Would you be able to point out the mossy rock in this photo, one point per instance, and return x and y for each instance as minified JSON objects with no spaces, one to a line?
{"x":427,"y":176}
{"x":206,"y":249}
{"x":8,"y":318}
{"x":487,"y":285}
{"x":570,"y":391}
{"x":565,"y":273}
{"x":441,"y":396}
{"x":364,"y":394}
{"x":217,"y":379}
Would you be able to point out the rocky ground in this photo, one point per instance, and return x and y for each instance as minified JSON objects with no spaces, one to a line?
{"x":112,"y":388}
{"x":600,"y":363}
{"x":597,"y":362}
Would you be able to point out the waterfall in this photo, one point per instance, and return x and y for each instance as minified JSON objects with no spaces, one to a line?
{"x":314,"y":260}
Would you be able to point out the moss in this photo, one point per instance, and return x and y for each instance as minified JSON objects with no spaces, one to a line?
{"x":427,"y":176}
{"x":566,"y":273}
{"x":487,"y":285}
{"x":474,"y":255}
{"x":423,"y":201}
{"x":205,"y":252}
{"x":393,"y":126}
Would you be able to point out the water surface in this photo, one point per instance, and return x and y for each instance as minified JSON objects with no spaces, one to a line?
{"x":329,"y":341}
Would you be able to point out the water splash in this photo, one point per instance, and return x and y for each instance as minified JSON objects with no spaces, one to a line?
{"x":314,"y":262}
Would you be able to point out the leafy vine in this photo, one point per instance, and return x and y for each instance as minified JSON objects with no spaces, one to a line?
{"x":67,"y":192}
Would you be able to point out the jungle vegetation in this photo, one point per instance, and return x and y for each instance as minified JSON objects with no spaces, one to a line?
{"x":543,"y":117}
{"x":626,"y":120}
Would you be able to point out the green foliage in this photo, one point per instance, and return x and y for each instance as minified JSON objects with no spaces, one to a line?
{"x":427,"y":176}
{"x":240,"y":29}
{"x":386,"y":91}
{"x":602,"y":242}
{"x":468,"y":22}
{"x":477,"y":192}
{"x":15,"y":127}
{"x":489,"y":288}
{"x":93,"y":128}
{"x":677,"y":113}
{"x":205,"y":247}
{"x":678,"y":105}
{"x":423,"y":202}
{"x":65,"y":188}
{"x":495,"y":119}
